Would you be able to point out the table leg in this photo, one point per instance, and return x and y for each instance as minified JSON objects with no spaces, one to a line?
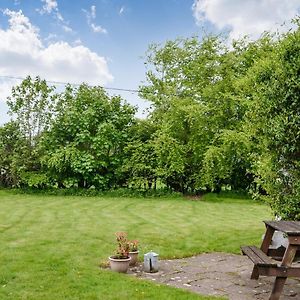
{"x":277,"y":288}
{"x":287,"y":260}
{"x":255,"y":274}
{"x":264,"y":247}
{"x":267,"y":239}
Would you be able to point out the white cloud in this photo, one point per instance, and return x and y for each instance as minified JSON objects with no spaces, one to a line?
{"x":90,"y":16}
{"x":67,"y":28}
{"x":98,"y":28}
{"x":246,"y":17}
{"x":51,"y":37}
{"x":93,"y":11}
{"x":49,"y":6}
{"x":59,"y":17}
{"x":22,"y":53}
{"x":121,"y":11}
{"x":79,"y":42}
{"x":6,"y":85}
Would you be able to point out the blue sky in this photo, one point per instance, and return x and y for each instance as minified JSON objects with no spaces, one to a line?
{"x":103,"y":41}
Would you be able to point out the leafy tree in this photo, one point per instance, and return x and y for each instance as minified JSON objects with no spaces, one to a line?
{"x":31,"y":103}
{"x":12,"y":145}
{"x":192,"y":87}
{"x":84,"y":146}
{"x":140,"y":163}
{"x":273,"y":120}
{"x":229,"y":157}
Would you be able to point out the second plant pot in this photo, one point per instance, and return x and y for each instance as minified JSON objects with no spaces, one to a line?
{"x":134,"y":257}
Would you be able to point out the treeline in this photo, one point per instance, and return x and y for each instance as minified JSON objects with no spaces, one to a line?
{"x":221,"y":116}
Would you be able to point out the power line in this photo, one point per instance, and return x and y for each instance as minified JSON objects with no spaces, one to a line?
{"x":74,"y":84}
{"x":105,"y":88}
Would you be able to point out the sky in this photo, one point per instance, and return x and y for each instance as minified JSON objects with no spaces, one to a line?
{"x":103,"y":42}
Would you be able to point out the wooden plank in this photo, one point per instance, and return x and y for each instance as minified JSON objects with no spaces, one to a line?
{"x":289,"y":255}
{"x":277,"y":288}
{"x":279,"y":271}
{"x":279,"y":225}
{"x":267,"y":239}
{"x":255,"y":273}
{"x":294,"y":240}
{"x":287,"y":260}
{"x":294,"y":225}
{"x":264,"y":247}
{"x":261,"y":254}
{"x":258,"y":257}
{"x":248,"y":250}
{"x":291,"y":228}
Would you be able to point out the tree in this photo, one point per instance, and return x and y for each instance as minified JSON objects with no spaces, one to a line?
{"x":196,"y":103}
{"x":12,"y":146}
{"x":84,"y":146}
{"x":32,"y":103}
{"x":273,"y":121}
{"x":140,"y":163}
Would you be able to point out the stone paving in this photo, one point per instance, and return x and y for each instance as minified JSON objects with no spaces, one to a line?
{"x":218,"y":274}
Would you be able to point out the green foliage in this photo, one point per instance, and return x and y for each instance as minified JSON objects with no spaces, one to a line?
{"x":12,"y":148}
{"x":229,"y":161}
{"x":192,"y":86}
{"x":34,"y":179}
{"x":273,"y":121}
{"x":32,"y":104}
{"x":84,"y":147}
{"x":140,"y":163}
{"x":92,"y":192}
{"x":229,"y":117}
{"x":221,"y":118}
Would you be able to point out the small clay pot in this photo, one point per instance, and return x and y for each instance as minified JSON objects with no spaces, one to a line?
{"x":134,"y":257}
{"x":120,"y":265}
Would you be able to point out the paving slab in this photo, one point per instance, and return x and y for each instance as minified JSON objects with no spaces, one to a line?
{"x":218,"y":274}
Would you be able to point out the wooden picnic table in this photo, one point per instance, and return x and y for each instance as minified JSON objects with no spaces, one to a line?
{"x":264,"y":258}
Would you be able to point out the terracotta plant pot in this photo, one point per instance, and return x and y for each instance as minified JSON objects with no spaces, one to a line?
{"x":120,"y":265}
{"x":134,"y":257}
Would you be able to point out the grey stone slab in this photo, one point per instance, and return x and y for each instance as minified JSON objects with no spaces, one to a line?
{"x":218,"y":274}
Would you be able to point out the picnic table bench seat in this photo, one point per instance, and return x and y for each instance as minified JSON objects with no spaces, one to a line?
{"x":258,"y":257}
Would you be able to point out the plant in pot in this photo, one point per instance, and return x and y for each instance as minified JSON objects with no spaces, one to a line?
{"x":120,"y":261}
{"x":133,"y":252}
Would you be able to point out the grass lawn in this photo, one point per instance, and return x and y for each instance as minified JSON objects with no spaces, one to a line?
{"x":51,"y":246}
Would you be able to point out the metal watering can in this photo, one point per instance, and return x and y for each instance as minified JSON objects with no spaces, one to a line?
{"x":151,"y":262}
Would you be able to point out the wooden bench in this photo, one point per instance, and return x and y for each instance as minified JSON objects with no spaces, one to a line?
{"x":262,"y":262}
{"x":258,"y":257}
{"x":265,"y":265}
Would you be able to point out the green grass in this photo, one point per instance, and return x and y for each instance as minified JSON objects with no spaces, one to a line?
{"x":51,"y":246}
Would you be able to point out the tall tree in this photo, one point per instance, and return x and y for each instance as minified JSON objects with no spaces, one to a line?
{"x":84,"y":146}
{"x":273,"y":121}
{"x":32,"y":103}
{"x":140,"y":163}
{"x":192,"y":87}
{"x":12,"y":148}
